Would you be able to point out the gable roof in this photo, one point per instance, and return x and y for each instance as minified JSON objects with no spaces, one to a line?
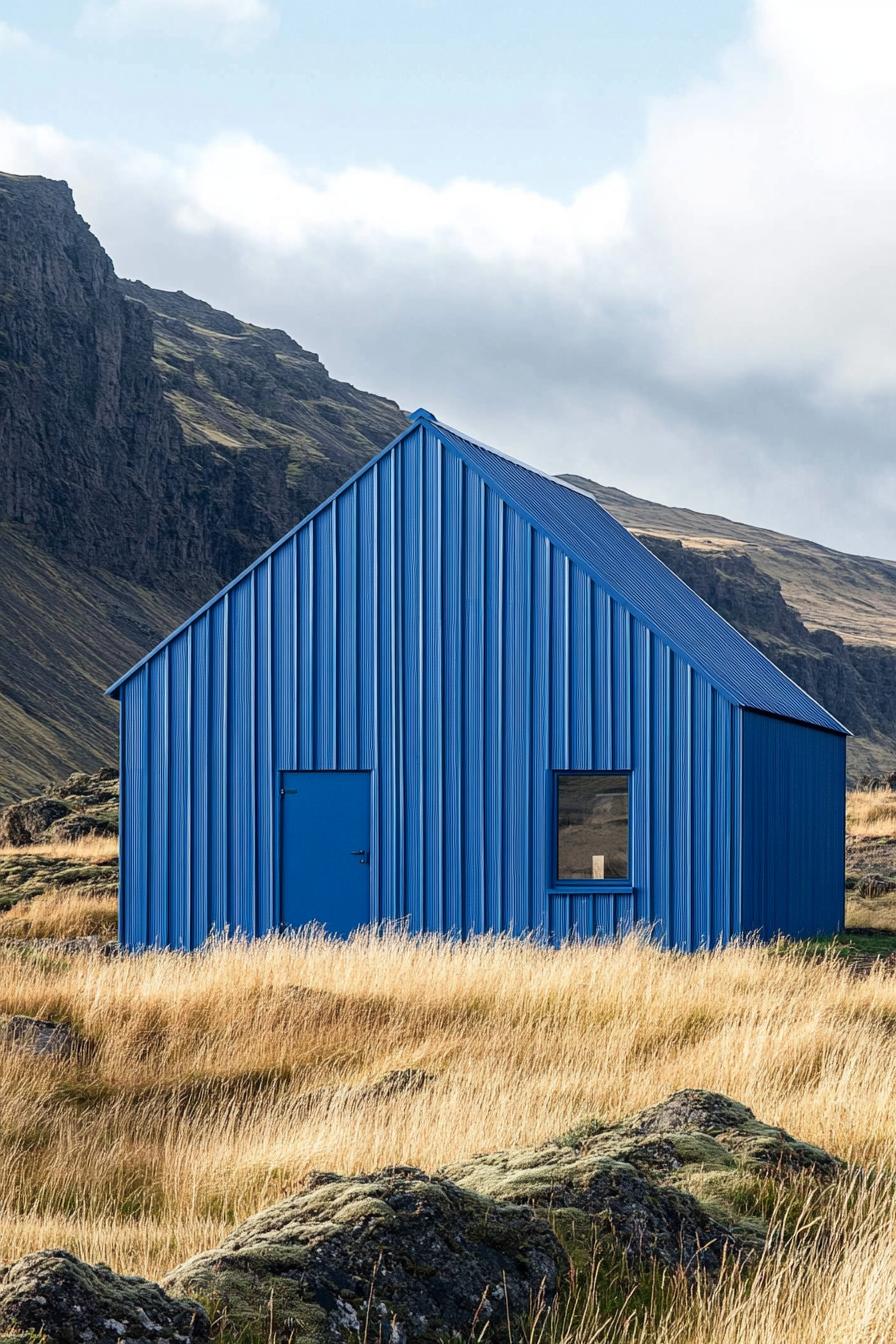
{"x":616,"y":560}
{"x":575,"y":522}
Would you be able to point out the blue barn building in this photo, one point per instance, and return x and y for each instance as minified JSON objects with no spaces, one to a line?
{"x":461,"y":695}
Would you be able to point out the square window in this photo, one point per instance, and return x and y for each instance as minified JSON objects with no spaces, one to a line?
{"x":592,"y":827}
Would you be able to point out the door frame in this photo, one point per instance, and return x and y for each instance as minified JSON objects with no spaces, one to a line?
{"x":279,"y":776}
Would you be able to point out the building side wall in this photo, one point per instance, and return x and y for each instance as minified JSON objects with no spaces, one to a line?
{"x":794,"y":800}
{"x":417,"y":627}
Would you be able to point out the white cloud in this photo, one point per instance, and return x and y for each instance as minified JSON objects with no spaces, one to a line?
{"x":716,"y":326}
{"x":220,"y":21}
{"x":769,"y":202}
{"x":837,"y":46}
{"x":34,"y":148}
{"x":13,"y":39}
{"x":236,"y":185}
{"x":769,"y":208}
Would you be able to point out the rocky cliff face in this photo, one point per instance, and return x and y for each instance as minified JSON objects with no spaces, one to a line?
{"x":92,"y":460}
{"x":150,"y":447}
{"x":147,"y":433}
{"x":275,"y":434}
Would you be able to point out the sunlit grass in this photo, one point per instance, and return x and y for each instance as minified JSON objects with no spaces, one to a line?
{"x":89,"y":847}
{"x":834,"y":1283}
{"x":871,"y":813}
{"x":65,"y":912}
{"x":872,"y":912}
{"x":211,"y":1084}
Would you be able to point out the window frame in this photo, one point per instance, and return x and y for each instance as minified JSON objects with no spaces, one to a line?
{"x":574,"y":884}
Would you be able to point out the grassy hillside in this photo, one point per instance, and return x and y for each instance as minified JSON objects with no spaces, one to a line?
{"x":63,"y":631}
{"x":237,"y":386}
{"x":853,"y":595}
{"x":276,"y":432}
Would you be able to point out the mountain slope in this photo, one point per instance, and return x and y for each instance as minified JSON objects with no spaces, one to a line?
{"x":854,"y":595}
{"x":275,"y":433}
{"x":62,"y":632}
{"x":149,"y":448}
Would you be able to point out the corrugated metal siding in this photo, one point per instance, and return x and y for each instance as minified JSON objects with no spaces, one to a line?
{"x":794,"y":826}
{"x":643,"y":583}
{"x":418,"y":626}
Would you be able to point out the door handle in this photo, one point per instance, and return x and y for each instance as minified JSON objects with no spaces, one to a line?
{"x":362,"y":854}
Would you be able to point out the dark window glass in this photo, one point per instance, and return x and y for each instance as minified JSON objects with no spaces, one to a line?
{"x":592,"y":827}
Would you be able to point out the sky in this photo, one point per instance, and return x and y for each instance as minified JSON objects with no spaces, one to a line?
{"x":651,"y":244}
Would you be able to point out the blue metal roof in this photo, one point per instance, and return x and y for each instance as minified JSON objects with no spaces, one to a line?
{"x":577,"y":524}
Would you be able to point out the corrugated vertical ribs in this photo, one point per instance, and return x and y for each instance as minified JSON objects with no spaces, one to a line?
{"x":462,"y":628}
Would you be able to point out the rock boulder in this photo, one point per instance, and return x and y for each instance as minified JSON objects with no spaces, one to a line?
{"x":54,"y":1296}
{"x":38,"y":1036}
{"x":681,"y":1184}
{"x":398,"y":1255}
{"x":751,"y":1143}
{"x":83,"y":805}
{"x":25,"y":823}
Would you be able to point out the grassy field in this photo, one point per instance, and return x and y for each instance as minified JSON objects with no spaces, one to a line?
{"x":207,"y":1087}
{"x":871,"y":812}
{"x":871,"y":849}
{"x":63,"y":890}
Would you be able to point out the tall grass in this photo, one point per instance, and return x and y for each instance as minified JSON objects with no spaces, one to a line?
{"x":871,"y":813}
{"x":79,"y":911}
{"x":209,"y":1085}
{"x":86,"y":848}
{"x":833,"y":1284}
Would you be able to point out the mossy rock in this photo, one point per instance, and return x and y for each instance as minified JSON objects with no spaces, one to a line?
{"x":78,"y":825}
{"x":617,"y":1207}
{"x":735,"y":1128}
{"x":54,"y":1296}
{"x":83,"y":805}
{"x":689,"y":1183}
{"x":25,"y":875}
{"x":396,"y":1252}
{"x":23,"y":823}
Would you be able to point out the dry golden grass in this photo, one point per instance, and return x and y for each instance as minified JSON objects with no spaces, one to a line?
{"x":871,"y":813}
{"x":63,"y":912}
{"x":871,"y":818}
{"x":215,"y":1082}
{"x":833,"y":1285}
{"x":872,"y":912}
{"x":88,"y":848}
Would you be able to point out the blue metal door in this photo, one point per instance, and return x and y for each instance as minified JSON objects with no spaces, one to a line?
{"x":325,"y":849}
